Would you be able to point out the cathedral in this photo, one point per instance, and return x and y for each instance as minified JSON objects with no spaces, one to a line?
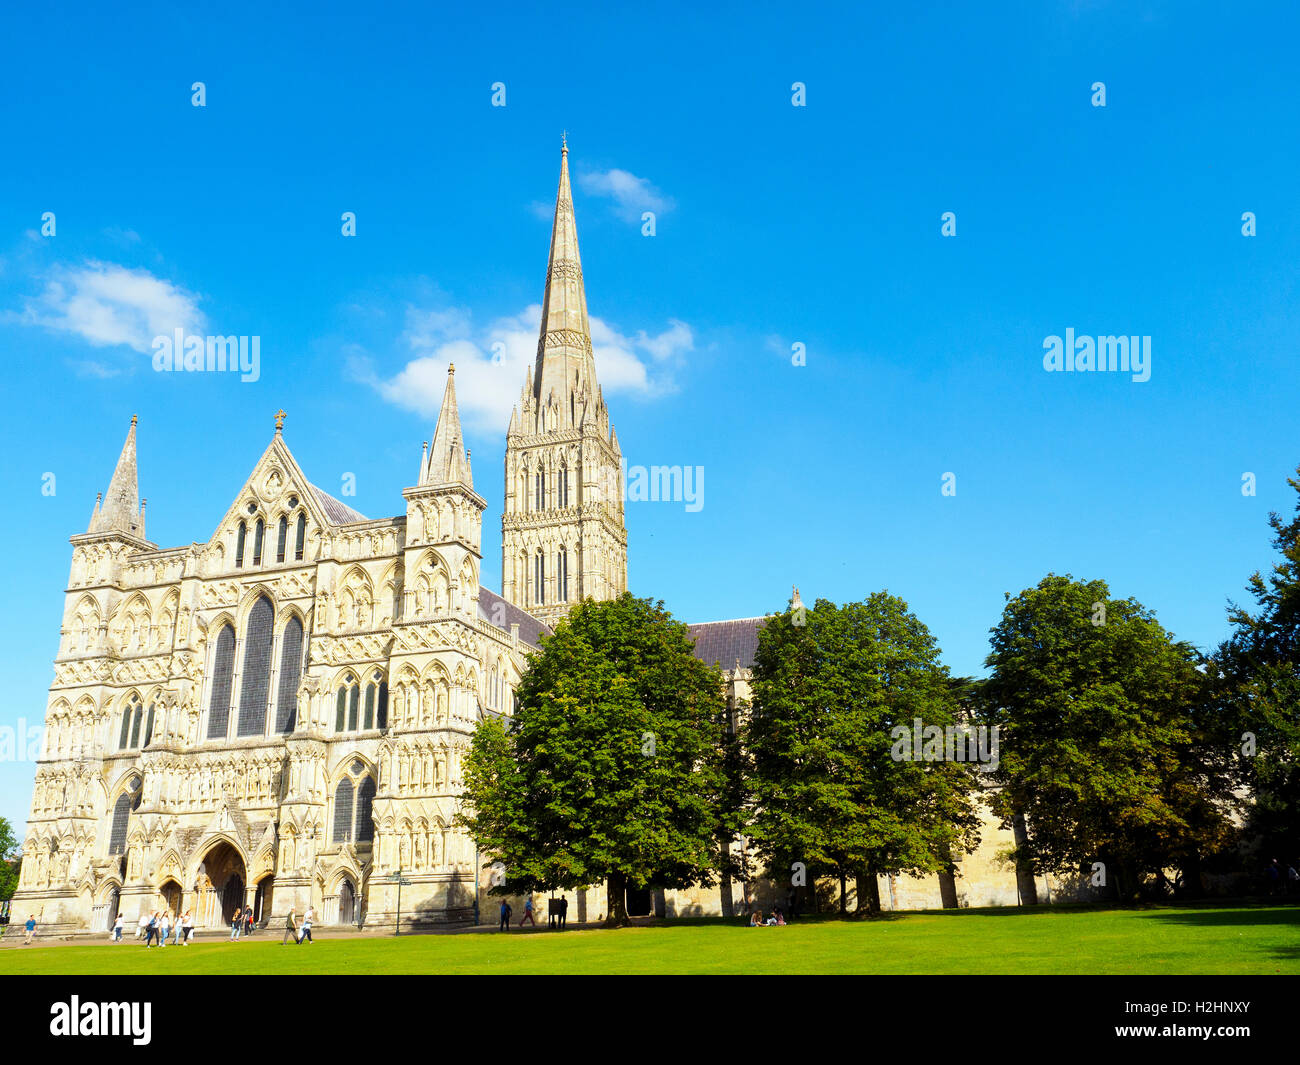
{"x":277,"y":716}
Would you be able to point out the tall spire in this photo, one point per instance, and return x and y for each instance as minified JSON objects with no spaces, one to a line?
{"x":120,"y":510}
{"x":448,"y":460}
{"x":564,"y":357}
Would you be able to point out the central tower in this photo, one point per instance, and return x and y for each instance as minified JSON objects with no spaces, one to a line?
{"x":562,"y":532}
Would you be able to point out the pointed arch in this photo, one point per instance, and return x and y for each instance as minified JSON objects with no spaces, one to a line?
{"x":290,"y":675}
{"x":255,"y":683}
{"x":223,"y":677}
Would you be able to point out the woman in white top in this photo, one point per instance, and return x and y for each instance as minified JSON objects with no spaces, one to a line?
{"x":187,"y":929}
{"x":117,"y":929}
{"x":165,"y":923}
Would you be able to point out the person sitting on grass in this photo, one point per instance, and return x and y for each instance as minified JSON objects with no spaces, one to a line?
{"x":756,"y":919}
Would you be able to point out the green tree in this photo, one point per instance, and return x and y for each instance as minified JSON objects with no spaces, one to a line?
{"x":1260,"y":664}
{"x":1103,"y":721}
{"x":612,"y":766}
{"x":826,"y":788}
{"x":8,"y":863}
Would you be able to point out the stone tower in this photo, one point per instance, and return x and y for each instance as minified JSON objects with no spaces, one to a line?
{"x":562,"y":532}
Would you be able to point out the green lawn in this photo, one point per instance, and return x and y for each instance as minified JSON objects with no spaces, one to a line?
{"x":1163,"y":939}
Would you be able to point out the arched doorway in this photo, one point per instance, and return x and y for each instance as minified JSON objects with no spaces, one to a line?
{"x":171,"y":894}
{"x":219,"y":884}
{"x":262,"y":904}
{"x":114,"y":900}
{"x":347,"y":902}
{"x":232,"y":897}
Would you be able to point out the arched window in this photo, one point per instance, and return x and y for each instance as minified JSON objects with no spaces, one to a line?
{"x":562,"y":576}
{"x":286,"y":708}
{"x":240,"y":536}
{"x":223,"y":678}
{"x":258,"y":530}
{"x":347,"y":705}
{"x":300,"y":537}
{"x":255,"y":685}
{"x":130,"y":717}
{"x":541,"y":488}
{"x":365,"y":804}
{"x":562,"y":486}
{"x":148,"y":728}
{"x":376,"y":705}
{"x":343,"y":811}
{"x":281,"y":535}
{"x":539,"y":577}
{"x":126,"y":802}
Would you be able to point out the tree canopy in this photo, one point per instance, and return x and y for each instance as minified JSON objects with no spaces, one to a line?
{"x":611,"y":767}
{"x":831,"y":685}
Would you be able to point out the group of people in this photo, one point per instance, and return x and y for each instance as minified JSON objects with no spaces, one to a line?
{"x":1283,"y":881}
{"x":242,"y":923}
{"x":756,"y":918}
{"x":158,"y":925}
{"x":558,"y":912}
{"x":301,"y":934}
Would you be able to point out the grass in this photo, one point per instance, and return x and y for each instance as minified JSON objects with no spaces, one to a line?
{"x":1239,"y":939}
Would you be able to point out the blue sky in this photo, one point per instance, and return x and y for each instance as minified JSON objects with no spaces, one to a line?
{"x":775,"y":225}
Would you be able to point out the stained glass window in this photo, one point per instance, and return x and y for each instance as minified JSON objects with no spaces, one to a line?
{"x":223,"y":677}
{"x":255,"y":685}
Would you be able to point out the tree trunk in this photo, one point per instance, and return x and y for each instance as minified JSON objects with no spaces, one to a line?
{"x":870,"y":887}
{"x":948,"y":880}
{"x":1192,"y":876}
{"x":616,"y":887}
{"x":1024,"y":867}
{"x":844,"y":894}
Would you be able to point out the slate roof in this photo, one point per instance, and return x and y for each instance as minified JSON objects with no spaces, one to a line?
{"x":725,"y":642}
{"x":531,"y":630}
{"x":338,"y":513}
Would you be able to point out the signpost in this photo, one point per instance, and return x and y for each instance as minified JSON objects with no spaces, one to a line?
{"x":398,"y":879}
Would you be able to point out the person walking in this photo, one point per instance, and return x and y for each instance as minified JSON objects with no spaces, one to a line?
{"x":235,"y":923}
{"x":528,"y":912}
{"x":164,"y":927}
{"x":290,"y":928}
{"x":504,"y":926}
{"x":306,"y":928}
{"x":151,"y":929}
{"x":142,"y":925}
{"x":29,"y":928}
{"x":248,"y":921}
{"x":117,"y":929}
{"x":187,"y":927}
{"x":564,"y":913}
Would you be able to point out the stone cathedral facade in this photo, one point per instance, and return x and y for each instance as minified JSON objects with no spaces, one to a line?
{"x":277,"y":716}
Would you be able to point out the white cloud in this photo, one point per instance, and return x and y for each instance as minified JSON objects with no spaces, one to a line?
{"x":107,"y":305}
{"x":492,"y":363}
{"x":631,"y":194}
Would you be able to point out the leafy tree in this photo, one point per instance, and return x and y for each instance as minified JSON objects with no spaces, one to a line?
{"x":8,"y":864}
{"x":1103,"y":721}
{"x":1260,"y":664}
{"x":612,"y":766}
{"x":826,"y":788}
